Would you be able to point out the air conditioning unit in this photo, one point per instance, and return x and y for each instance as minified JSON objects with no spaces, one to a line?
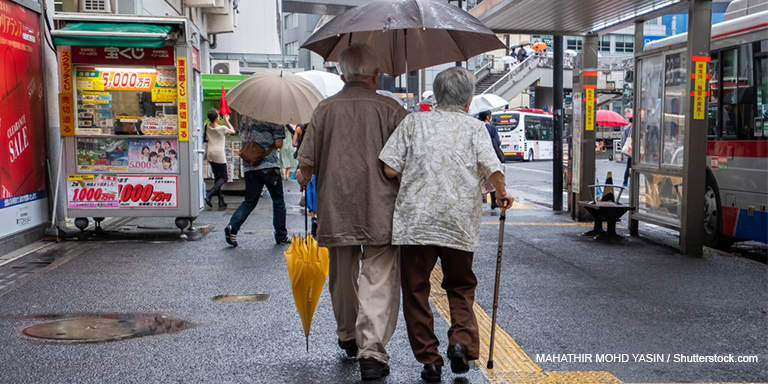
{"x":95,"y":6}
{"x":225,"y":67}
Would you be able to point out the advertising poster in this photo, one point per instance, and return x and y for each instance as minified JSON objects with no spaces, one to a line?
{"x":22,"y":121}
{"x":148,"y":191}
{"x":92,"y":191}
{"x":153,"y":155}
{"x":102,"y":155}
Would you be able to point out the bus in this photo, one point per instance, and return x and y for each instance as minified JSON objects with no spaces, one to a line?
{"x":736,"y":193}
{"x":525,"y":135}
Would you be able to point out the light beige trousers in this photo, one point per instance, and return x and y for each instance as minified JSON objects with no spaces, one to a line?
{"x":365,"y":311}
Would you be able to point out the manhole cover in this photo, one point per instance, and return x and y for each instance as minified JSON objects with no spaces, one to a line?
{"x":107,"y":327}
{"x":236,"y":298}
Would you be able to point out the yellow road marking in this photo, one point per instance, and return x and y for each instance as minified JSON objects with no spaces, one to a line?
{"x":511,"y":365}
{"x":544,"y":224}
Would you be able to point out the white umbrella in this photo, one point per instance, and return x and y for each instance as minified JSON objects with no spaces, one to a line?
{"x":275,"y":96}
{"x":393,"y":97}
{"x":570,"y":52}
{"x":327,"y":83}
{"x":507,"y":60}
{"x":487,"y":102}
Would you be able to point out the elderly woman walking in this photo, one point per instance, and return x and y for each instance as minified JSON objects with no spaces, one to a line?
{"x":442,"y":156}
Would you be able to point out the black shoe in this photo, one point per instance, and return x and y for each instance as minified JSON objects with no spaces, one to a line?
{"x":208,"y":201}
{"x":431,"y":373}
{"x":459,"y":362}
{"x":350,"y":346}
{"x":230,"y":236}
{"x":284,"y":240}
{"x":222,"y":203}
{"x":371,"y":369}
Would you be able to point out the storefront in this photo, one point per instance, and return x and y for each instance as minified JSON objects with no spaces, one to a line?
{"x":23,"y":186}
{"x":130,"y":111}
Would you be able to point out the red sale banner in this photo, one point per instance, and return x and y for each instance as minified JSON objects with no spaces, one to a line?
{"x":22,"y":120}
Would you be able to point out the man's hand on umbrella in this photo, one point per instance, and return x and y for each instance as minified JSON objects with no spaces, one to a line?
{"x":504,"y":199}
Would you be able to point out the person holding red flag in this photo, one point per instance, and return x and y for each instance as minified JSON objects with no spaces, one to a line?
{"x":216,"y":138}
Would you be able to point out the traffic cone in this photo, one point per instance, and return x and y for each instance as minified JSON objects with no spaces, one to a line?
{"x":608,"y":191}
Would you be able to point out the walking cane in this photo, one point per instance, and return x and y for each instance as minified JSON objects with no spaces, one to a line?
{"x":502,"y":218}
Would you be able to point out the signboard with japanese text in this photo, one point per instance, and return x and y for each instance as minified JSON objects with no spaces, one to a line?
{"x":181,"y":88}
{"x":148,"y":191}
{"x":123,"y":55}
{"x":66,"y":99}
{"x":589,"y":109}
{"x":699,"y":92}
{"x":23,"y":192}
{"x":92,"y":191}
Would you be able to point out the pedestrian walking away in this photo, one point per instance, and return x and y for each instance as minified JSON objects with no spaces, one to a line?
{"x":355,"y":203}
{"x":266,"y":173}
{"x":215,"y":136}
{"x":451,"y":186}
{"x":485,"y":117}
{"x":287,"y":160}
{"x":626,"y":139}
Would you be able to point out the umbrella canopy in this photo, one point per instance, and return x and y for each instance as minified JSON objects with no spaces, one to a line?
{"x":307,"y":269}
{"x":608,"y":118}
{"x":327,"y":83}
{"x":539,"y":46}
{"x":275,"y":96}
{"x":421,"y":33}
{"x":570,"y":52}
{"x":393,"y":97}
{"x":507,"y":60}
{"x":486,"y":102}
{"x":522,"y":44}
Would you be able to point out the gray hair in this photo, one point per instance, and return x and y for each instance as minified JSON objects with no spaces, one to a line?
{"x":358,"y":60}
{"x":454,"y":87}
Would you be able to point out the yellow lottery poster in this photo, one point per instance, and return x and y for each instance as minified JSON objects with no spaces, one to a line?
{"x":700,"y":88}
{"x":589,"y":109}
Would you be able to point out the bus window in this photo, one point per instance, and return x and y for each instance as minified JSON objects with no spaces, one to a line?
{"x":746,"y":86}
{"x":546,"y":129}
{"x":532,"y":127}
{"x":761,"y":121}
{"x":730,"y":93}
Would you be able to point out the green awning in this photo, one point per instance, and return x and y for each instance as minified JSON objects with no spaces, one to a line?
{"x":112,"y":35}
{"x":212,"y":84}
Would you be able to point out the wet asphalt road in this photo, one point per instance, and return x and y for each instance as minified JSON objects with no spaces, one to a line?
{"x":561,"y":293}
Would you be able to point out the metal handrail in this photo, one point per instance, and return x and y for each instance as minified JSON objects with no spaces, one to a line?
{"x":517,"y":69}
{"x":490,"y":63}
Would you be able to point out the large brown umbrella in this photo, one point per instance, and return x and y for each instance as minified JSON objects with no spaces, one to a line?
{"x":276,"y":96}
{"x":407,"y":34}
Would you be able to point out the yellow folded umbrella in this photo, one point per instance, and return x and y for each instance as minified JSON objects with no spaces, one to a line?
{"x":307,"y":269}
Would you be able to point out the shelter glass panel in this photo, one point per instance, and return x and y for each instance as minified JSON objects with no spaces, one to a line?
{"x":660,"y":196}
{"x":649,"y":108}
{"x":675,"y":71}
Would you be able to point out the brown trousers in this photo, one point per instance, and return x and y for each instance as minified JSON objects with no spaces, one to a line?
{"x":459,"y":282}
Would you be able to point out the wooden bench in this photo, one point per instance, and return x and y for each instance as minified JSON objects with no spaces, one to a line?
{"x":608,"y":211}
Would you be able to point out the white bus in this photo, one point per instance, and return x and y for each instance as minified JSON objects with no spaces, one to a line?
{"x":525,"y":135}
{"x":736,"y":193}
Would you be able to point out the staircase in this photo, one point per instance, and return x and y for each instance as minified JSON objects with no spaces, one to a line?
{"x":487,"y":81}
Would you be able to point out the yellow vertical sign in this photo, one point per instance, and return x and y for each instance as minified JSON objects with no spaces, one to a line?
{"x":66,"y":100}
{"x":700,"y":90}
{"x":181,"y":89}
{"x":589,"y":109}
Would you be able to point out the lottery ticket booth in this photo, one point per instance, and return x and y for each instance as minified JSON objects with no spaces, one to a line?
{"x":129,"y":105}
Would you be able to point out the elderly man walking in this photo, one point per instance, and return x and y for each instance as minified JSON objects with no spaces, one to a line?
{"x":355,"y":203}
{"x":443,"y":156}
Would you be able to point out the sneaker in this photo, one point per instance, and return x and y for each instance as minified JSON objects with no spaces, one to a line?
{"x":459,"y":362}
{"x":284,"y":240}
{"x":625,"y":185}
{"x":230,"y":236}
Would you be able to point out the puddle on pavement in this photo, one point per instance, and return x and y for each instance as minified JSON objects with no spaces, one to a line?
{"x":99,"y":327}
{"x":238,"y":298}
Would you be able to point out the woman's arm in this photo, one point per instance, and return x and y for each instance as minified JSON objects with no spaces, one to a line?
{"x":230,"y":130}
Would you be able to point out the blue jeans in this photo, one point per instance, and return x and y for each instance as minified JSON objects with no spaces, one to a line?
{"x":254,"y":182}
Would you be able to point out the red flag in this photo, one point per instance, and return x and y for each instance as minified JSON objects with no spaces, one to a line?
{"x":223,"y":105}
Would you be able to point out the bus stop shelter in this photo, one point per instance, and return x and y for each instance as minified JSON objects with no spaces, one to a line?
{"x":589,"y":19}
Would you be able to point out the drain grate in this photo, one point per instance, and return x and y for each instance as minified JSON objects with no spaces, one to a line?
{"x":106,"y":327}
{"x":238,"y":298}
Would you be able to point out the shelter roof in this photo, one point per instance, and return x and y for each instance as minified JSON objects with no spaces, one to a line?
{"x":570,"y":17}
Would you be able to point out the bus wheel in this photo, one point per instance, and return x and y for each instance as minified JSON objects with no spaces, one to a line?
{"x":530,"y":155}
{"x":713,"y":222}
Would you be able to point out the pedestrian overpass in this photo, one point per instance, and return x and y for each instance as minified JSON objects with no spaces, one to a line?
{"x":534,"y":70}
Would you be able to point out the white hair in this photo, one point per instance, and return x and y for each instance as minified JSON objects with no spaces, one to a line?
{"x":454,"y":87}
{"x":358,"y":60}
